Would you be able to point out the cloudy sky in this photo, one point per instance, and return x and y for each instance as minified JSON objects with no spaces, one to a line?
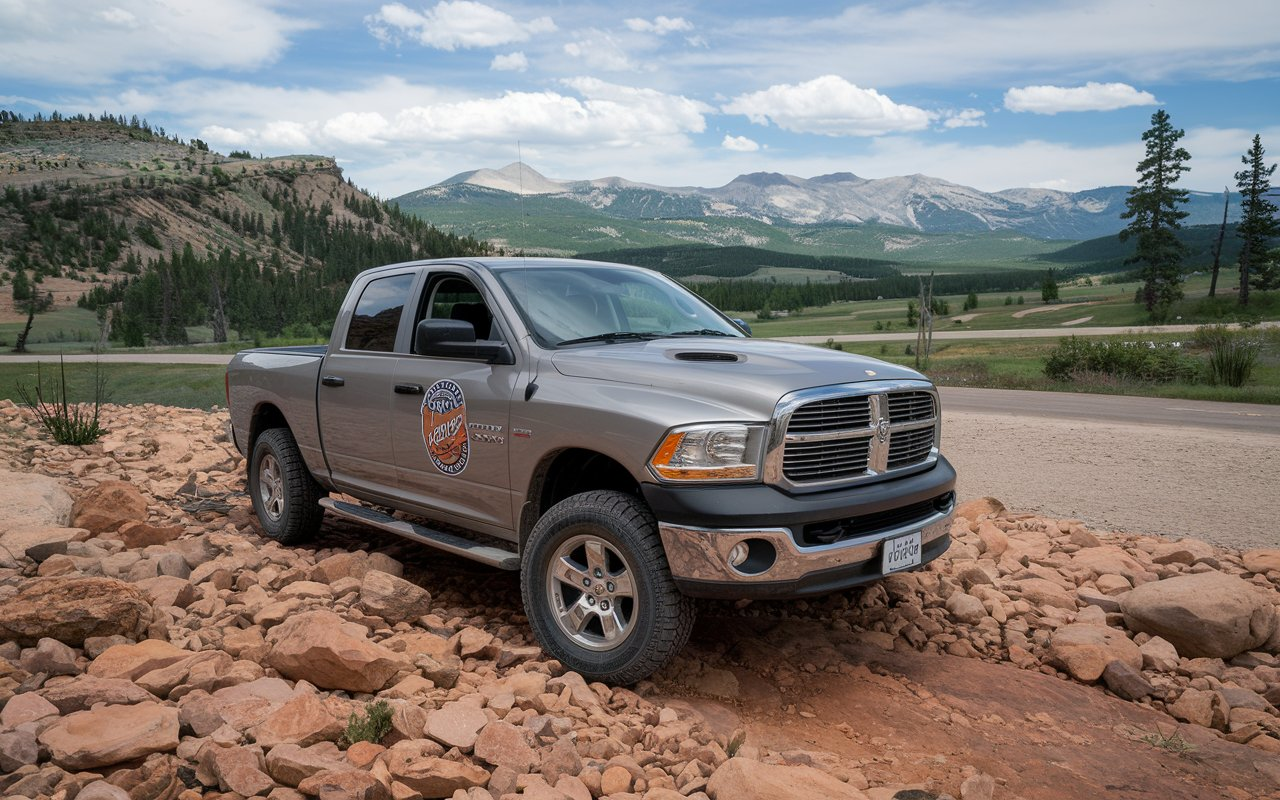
{"x":984,"y":93}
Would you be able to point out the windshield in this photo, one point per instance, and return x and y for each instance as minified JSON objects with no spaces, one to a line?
{"x":571,"y":305}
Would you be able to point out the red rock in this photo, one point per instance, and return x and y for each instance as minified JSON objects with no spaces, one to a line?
{"x":132,"y":661}
{"x":504,"y":745}
{"x":350,"y":784}
{"x":141,"y":534}
{"x":1084,"y":650}
{"x":109,"y":505}
{"x":290,"y":764}
{"x":302,"y":721}
{"x":111,"y":734}
{"x":239,"y":770}
{"x":972,"y":509}
{"x":32,"y":501}
{"x":436,"y":777}
{"x":1262,"y":561}
{"x":1210,"y":615}
{"x":26,"y":707}
{"x":744,"y":779}
{"x":83,"y":691}
{"x":41,"y":542}
{"x":456,"y":725}
{"x":73,"y":609}
{"x":615,"y":780}
{"x":321,"y":648}
{"x":394,"y":599}
{"x":167,"y":590}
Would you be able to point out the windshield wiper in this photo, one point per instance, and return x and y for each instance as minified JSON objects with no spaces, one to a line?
{"x":700,"y":332}
{"x":613,"y":336}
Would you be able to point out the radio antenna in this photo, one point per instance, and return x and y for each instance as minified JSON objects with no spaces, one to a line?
{"x":524,"y":219}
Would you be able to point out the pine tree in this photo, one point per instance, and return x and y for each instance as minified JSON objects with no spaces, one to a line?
{"x":1153,"y":210}
{"x":1258,"y":222}
{"x":1049,"y":288}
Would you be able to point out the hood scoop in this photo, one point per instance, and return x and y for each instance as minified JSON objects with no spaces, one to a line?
{"x":708,"y":356}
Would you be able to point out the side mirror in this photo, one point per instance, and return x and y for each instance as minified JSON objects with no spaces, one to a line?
{"x":454,"y":338}
{"x":742,"y":323}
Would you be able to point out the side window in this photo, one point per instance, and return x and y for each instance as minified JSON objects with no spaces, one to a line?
{"x":377,"y":314}
{"x":453,"y":297}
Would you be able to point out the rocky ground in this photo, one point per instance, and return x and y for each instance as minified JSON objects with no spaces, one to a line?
{"x":156,"y":646}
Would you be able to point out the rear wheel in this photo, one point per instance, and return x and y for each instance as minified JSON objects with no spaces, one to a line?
{"x":285,"y":496}
{"x":598,"y":591}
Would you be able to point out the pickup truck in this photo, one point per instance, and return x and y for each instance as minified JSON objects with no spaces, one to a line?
{"x":605,"y":432}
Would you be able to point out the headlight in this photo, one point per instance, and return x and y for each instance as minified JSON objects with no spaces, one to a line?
{"x":709,"y":453}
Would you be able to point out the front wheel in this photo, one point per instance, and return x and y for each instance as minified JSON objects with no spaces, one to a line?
{"x":285,"y":496}
{"x":598,"y":591}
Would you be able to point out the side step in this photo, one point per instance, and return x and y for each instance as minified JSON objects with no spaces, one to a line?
{"x":493,"y":556}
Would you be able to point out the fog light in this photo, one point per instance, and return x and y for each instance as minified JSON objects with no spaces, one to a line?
{"x":738,"y":554}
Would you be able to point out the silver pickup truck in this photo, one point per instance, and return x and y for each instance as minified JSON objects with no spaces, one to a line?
{"x":605,"y":432}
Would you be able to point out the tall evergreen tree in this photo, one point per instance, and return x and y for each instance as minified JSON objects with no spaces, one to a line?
{"x":1154,"y":214}
{"x":1258,"y":222}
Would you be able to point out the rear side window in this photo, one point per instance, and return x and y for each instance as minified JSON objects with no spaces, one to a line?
{"x":377,"y":315}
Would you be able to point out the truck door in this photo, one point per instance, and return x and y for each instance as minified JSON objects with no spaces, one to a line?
{"x":354,"y":397}
{"x":451,"y":416}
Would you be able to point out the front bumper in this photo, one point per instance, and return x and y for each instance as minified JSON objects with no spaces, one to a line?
{"x":697,"y":540}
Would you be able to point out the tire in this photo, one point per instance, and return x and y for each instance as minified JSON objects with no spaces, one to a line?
{"x":285,"y":496}
{"x":617,"y":631}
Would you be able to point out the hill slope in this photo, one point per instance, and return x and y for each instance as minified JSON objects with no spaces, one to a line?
{"x":166,"y":232}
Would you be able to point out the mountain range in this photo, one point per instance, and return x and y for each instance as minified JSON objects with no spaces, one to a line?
{"x":915,"y":202}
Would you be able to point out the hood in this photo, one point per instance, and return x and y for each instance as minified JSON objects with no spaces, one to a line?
{"x":746,"y":374}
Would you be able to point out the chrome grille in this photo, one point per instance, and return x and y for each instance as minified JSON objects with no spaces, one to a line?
{"x":837,"y":414}
{"x":910,"y":406}
{"x":809,"y":461}
{"x":908,"y":447}
{"x":844,"y":434}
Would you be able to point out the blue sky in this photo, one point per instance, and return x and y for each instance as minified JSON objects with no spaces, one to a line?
{"x":993,"y":95}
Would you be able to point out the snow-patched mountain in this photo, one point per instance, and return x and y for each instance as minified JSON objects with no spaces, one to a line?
{"x":921,"y":202}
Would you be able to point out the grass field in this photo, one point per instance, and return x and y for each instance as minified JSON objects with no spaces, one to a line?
{"x":187,"y":386}
{"x":1019,"y":364}
{"x":1108,"y":305}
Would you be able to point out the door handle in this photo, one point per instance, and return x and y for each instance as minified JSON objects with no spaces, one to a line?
{"x":408,"y":388}
{"x":332,"y":380}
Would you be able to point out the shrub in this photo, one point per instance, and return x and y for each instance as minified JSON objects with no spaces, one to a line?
{"x":372,"y":726}
{"x":1232,"y":354}
{"x":66,"y":422}
{"x":1157,"y":362}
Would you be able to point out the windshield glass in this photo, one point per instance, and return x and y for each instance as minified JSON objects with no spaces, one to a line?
{"x":571,"y":304}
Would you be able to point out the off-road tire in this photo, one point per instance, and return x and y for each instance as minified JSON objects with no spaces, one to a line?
{"x":285,"y":496}
{"x":659,"y":618}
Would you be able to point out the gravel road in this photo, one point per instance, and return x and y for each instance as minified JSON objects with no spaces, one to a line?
{"x":1220,"y":485}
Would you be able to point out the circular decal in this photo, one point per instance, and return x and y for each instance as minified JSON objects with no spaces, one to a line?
{"x":444,"y":427}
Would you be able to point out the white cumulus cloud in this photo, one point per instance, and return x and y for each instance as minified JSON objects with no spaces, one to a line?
{"x":830,"y":106}
{"x":83,"y":42}
{"x":510,"y":62}
{"x":1090,"y":97}
{"x":599,"y":50}
{"x":454,"y":24}
{"x":659,"y":25}
{"x":966,"y":118}
{"x":739,"y":144}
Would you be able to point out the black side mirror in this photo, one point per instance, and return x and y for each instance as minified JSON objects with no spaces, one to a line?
{"x":742,"y":323}
{"x":454,"y":338}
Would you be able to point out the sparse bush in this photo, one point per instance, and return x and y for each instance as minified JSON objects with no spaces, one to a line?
{"x":1232,"y":354}
{"x":66,"y":422}
{"x":371,"y":726}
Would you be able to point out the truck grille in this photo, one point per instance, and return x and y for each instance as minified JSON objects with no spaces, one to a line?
{"x":853,"y":432}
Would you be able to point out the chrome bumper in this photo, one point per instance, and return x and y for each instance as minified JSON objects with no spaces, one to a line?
{"x":701,"y":556}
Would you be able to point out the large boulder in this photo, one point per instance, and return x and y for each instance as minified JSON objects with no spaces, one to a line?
{"x":394,"y":599}
{"x":73,"y":609}
{"x":1085,"y":650}
{"x":746,"y":779}
{"x":110,"y":735}
{"x":32,"y":501}
{"x":303,"y":721}
{"x":319,"y":647}
{"x":109,"y":505}
{"x":1210,"y":615}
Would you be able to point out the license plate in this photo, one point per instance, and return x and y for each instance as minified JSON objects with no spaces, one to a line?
{"x":901,"y":553}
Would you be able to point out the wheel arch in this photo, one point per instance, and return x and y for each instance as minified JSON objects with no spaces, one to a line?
{"x":569,"y":471}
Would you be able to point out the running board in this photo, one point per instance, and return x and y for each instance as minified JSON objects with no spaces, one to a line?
{"x":493,"y":556}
